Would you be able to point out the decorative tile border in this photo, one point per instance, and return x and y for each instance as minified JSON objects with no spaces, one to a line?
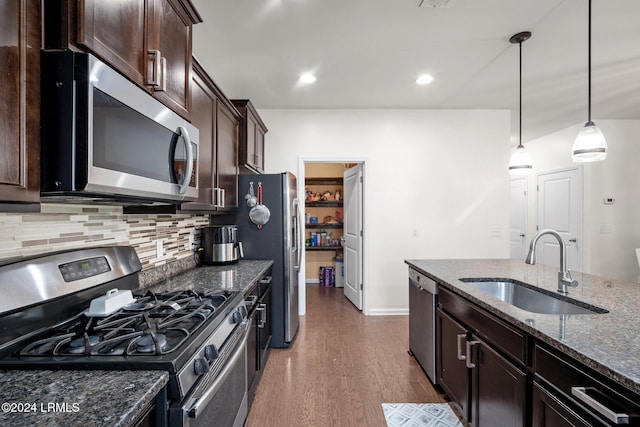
{"x":62,"y":227}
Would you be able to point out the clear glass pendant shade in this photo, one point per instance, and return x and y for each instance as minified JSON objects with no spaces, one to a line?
{"x":590,"y":144}
{"x":520,"y":163}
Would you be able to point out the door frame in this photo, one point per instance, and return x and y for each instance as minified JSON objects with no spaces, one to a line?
{"x":302,"y":305}
{"x":528,"y":236}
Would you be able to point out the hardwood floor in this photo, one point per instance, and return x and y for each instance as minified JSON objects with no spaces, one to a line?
{"x":342,"y":367}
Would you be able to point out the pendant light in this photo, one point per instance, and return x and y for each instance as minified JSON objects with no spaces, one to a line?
{"x":590,"y":144}
{"x":520,"y":163}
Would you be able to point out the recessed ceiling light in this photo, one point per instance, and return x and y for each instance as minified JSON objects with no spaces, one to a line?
{"x":424,"y":79}
{"x":307,"y":78}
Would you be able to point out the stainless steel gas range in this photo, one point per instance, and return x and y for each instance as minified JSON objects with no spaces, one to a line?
{"x":82,"y":310}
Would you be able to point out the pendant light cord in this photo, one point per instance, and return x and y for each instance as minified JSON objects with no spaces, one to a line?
{"x":520,"y":108}
{"x":589,"y":67}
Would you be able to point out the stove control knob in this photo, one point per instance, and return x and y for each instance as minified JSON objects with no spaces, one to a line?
{"x":243,"y":310}
{"x":211,"y":352}
{"x":200,"y":366}
{"x":237,"y":317}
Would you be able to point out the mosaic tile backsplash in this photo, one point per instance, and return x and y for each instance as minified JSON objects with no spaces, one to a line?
{"x":62,"y":227}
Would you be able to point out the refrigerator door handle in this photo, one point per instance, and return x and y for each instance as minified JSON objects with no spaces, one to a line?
{"x":298,"y":233}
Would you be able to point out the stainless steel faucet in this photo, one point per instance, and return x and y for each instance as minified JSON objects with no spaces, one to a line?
{"x":564,"y":275}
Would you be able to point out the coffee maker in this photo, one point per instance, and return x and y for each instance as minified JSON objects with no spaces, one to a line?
{"x":220,"y":245}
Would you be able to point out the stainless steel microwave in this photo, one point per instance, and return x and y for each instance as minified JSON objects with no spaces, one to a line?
{"x":106,"y":139}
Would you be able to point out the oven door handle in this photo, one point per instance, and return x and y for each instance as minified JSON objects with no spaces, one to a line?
{"x":222,"y":376}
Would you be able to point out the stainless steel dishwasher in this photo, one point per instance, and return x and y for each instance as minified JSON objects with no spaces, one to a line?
{"x":423,"y":300}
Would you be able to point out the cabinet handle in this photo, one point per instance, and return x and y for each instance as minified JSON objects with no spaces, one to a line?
{"x":470,"y":344}
{"x":163,"y":75}
{"x":262,"y":308}
{"x":266,"y":280}
{"x":460,"y":338}
{"x":581,"y":393}
{"x":154,"y":71}
{"x":218,"y":197}
{"x":251,"y":300}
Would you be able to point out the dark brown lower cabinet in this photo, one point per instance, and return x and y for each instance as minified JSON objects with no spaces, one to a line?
{"x":499,"y":388}
{"x":453,"y":375}
{"x":549,"y":411}
{"x":259,"y":305}
{"x":488,"y":389}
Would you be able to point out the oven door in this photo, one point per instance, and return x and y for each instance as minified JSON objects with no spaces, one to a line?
{"x":220,"y":398}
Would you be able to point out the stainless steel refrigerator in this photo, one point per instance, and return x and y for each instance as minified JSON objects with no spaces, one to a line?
{"x":280,"y":239}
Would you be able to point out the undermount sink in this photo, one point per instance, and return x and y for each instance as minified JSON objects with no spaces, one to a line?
{"x":529,"y":298}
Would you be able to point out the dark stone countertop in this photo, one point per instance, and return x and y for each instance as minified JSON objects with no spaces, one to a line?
{"x":237,"y":277}
{"x":605,"y":342}
{"x":109,"y":398}
{"x":77,"y":398}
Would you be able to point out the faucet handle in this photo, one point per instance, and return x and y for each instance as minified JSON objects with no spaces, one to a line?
{"x":573,"y":283}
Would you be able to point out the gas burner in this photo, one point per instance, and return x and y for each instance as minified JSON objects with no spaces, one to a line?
{"x":151,"y":343}
{"x":78,"y":345}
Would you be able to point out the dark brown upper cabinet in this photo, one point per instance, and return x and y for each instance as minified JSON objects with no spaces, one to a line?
{"x":218,"y":123}
{"x":20,"y":116}
{"x":149,"y":41}
{"x":252,"y":132}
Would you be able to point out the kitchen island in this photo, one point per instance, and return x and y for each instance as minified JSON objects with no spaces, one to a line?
{"x":108,"y":397}
{"x":604,"y":344}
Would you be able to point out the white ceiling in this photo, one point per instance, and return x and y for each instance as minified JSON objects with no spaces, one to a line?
{"x":368,"y":53}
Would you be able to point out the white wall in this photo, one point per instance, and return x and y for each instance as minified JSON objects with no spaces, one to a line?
{"x":606,"y":253}
{"x":441,"y":173}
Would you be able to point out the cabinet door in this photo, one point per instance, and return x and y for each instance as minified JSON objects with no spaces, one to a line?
{"x":549,"y":411}
{"x":170,"y":36}
{"x":264,"y":325}
{"x":203,"y":117}
{"x":498,"y":389}
{"x":250,"y":145}
{"x":20,"y":95}
{"x":227,"y":127}
{"x":453,"y":375}
{"x":259,"y":149}
{"x":116,"y":32}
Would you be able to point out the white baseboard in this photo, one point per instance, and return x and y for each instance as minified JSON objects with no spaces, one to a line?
{"x":389,"y":312}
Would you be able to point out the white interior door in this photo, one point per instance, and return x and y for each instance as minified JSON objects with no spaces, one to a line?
{"x":353,"y":235}
{"x":518,"y":218}
{"x":560,"y":208}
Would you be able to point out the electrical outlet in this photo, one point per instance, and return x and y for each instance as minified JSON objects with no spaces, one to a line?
{"x":495,"y":232}
{"x":159,"y":249}
{"x":191,"y":242}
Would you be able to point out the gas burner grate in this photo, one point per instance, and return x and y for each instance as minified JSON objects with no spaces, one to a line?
{"x":155,"y":324}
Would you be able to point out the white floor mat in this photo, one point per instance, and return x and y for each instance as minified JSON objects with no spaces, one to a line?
{"x":420,"y":415}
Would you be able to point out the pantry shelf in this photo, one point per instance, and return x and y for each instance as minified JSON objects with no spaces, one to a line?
{"x":316,"y":226}
{"x":323,"y":248}
{"x":321,"y":204}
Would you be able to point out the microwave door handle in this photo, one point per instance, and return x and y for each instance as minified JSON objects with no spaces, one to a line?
{"x":182,"y":131}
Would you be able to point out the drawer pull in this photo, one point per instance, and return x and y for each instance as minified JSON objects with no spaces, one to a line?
{"x":581,"y":393}
{"x":460,"y":338}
